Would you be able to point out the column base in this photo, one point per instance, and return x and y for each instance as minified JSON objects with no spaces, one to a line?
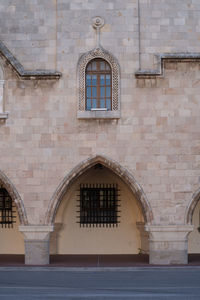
{"x":36,"y":244}
{"x":36,"y":252}
{"x":168,"y":244}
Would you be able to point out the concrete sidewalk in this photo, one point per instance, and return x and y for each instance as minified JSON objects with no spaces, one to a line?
{"x":85,"y":261}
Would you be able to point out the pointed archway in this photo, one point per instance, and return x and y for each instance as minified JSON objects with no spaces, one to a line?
{"x":85,"y":165}
{"x":12,"y":191}
{"x":191,"y":207}
{"x":192,"y":218}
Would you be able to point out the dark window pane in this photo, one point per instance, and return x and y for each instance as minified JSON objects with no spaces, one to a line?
{"x":102,"y":92}
{"x":94,"y":103}
{"x":102,"y":65}
{"x":108,"y":91}
{"x":94,"y":92}
{"x":88,"y":106}
{"x":94,"y":79}
{"x":89,"y":91}
{"x":102,"y":103}
{"x":102,"y":79}
{"x":96,"y":208}
{"x":89,"y":67}
{"x":6,"y":209}
{"x":94,"y":66}
{"x":107,"y":67}
{"x":99,"y":80}
{"x":88,"y":79}
{"x":107,"y":79}
{"x":108,"y":106}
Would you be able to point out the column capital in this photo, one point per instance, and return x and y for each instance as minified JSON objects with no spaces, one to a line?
{"x":169,"y":232}
{"x":36,"y":232}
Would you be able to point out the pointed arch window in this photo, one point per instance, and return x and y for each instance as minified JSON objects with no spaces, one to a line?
{"x":98,"y":85}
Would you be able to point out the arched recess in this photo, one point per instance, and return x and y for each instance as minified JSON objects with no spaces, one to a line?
{"x":82,"y":167}
{"x":191,"y":207}
{"x":8,"y":185}
{"x":192,"y":217}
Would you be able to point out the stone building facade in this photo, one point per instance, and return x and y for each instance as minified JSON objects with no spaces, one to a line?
{"x":146,"y":141}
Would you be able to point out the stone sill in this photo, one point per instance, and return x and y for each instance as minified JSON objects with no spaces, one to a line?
{"x":4,"y":116}
{"x":98,"y":114}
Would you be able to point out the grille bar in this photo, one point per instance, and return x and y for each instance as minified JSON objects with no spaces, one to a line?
{"x":98,"y":205}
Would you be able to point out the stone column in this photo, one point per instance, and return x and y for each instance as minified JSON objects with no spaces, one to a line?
{"x":168,"y":244}
{"x":36,"y":239}
{"x":54,"y":238}
{"x":144,"y":237}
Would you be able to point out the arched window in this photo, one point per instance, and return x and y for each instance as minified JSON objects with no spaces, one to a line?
{"x":98,"y":85}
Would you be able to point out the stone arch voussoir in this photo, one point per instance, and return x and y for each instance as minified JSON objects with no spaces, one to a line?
{"x":85,"y":165}
{"x":191,"y":207}
{"x":8,"y":185}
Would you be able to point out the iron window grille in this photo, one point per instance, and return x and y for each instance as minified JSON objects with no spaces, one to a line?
{"x":98,"y":85}
{"x":7,"y":217}
{"x":99,"y":205}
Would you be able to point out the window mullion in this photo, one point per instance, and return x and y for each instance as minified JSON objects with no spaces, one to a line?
{"x":98,"y":90}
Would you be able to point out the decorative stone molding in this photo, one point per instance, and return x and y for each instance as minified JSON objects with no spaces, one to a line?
{"x":169,"y":57}
{"x":36,"y":232}
{"x":19,"y":69}
{"x":82,"y":167}
{"x":168,"y":243}
{"x":7,"y":184}
{"x":191,"y":207}
{"x":98,"y":22}
{"x":3,"y":115}
{"x":36,"y":244}
{"x":83,"y":61}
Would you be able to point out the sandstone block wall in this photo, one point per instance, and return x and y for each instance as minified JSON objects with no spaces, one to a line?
{"x":157,"y":137}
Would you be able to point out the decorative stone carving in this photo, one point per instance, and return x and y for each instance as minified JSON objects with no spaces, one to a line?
{"x":97,"y":22}
{"x":84,"y":60}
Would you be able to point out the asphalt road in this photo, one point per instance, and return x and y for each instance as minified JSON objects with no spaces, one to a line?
{"x":135,"y":283}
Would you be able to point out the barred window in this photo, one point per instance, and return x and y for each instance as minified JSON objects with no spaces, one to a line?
{"x":98,"y":205}
{"x":6,"y":209}
{"x":98,"y":85}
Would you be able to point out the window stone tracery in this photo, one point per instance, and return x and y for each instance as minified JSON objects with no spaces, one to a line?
{"x":83,"y":62}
